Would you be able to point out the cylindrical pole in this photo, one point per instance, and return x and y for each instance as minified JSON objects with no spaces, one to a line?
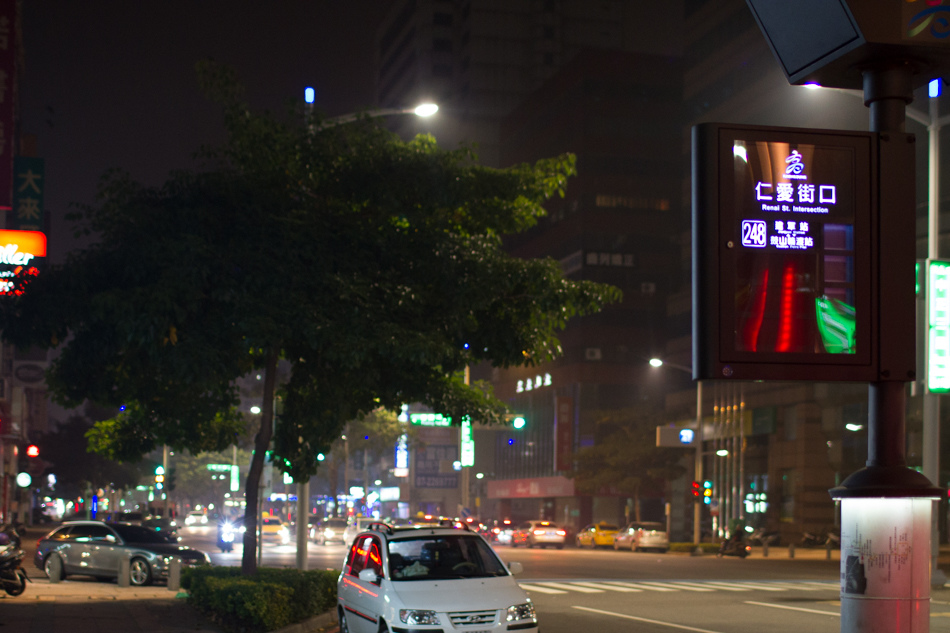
{"x":698,"y":463}
{"x":303,"y":523}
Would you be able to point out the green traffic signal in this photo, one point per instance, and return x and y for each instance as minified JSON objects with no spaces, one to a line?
{"x":519,"y":422}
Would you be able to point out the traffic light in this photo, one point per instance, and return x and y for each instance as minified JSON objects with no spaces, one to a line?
{"x":170,"y":480}
{"x":32,"y":450}
{"x":707,"y":492}
{"x":518,"y":422}
{"x":697,"y":489}
{"x":159,"y":477}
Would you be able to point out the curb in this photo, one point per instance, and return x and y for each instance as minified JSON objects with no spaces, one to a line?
{"x":322,"y":622}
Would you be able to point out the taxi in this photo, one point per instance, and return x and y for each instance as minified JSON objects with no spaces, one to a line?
{"x":597,"y":535}
{"x":273,"y":530}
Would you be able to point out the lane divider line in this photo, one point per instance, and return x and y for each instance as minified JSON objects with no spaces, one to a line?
{"x":647,"y":620}
{"x":802,"y":609}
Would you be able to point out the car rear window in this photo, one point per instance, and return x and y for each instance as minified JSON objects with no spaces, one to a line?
{"x":607,"y":526}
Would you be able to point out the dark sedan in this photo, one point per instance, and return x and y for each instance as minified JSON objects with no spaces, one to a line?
{"x":94,"y":548}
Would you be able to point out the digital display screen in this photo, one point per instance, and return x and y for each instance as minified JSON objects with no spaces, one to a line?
{"x":795,"y":264}
{"x":783,"y":223}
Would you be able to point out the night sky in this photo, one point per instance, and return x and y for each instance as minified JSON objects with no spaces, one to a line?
{"x":111,"y":83}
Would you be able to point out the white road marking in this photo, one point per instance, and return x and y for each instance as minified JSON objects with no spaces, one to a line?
{"x":571,"y":587}
{"x":633,"y":617}
{"x":782,"y":606}
{"x":607,"y":586}
{"x":539,"y":588}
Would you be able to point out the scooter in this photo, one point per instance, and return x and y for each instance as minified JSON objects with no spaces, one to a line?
{"x":226,"y":538}
{"x":13,"y":577}
{"x":734,"y":548}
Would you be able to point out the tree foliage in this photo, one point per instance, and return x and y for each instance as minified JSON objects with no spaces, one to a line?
{"x":624,"y":457}
{"x":372,"y":265}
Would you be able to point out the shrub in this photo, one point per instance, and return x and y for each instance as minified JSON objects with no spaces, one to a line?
{"x":268,"y":600}
{"x":708,"y":548}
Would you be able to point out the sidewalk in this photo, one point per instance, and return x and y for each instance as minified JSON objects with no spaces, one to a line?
{"x":89,"y":606}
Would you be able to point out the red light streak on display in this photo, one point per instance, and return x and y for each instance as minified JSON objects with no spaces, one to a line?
{"x":758,"y":314}
{"x":787,"y":310}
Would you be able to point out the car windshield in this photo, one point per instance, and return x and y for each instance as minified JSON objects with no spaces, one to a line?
{"x":336,"y":524}
{"x":139,"y":534}
{"x":606,"y":527}
{"x":444,"y":556}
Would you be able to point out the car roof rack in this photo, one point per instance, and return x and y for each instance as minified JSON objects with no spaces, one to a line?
{"x":380,"y":526}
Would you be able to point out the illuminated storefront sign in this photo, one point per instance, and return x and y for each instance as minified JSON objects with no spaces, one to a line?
{"x":401,"y":467}
{"x":784,"y":221}
{"x":530,"y":384}
{"x":467,"y":443}
{"x":21,"y":252}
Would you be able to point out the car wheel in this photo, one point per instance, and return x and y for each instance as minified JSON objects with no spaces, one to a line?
{"x":49,"y":564}
{"x":577,"y":542}
{"x":560,"y":547}
{"x":140,"y":574}
{"x":343,"y":626}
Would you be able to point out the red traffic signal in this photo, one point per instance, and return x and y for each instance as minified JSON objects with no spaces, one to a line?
{"x":697,"y":489}
{"x":32,"y":450}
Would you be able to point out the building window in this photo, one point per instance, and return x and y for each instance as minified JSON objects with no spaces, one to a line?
{"x":549,"y":6}
{"x":549,"y":32}
{"x":441,"y":70}
{"x":442,"y":19}
{"x":648,"y":288}
{"x":549,"y":59}
{"x":441,"y":45}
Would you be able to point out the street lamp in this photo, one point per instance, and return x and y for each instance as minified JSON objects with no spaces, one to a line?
{"x":421,"y":110}
{"x":698,"y":456}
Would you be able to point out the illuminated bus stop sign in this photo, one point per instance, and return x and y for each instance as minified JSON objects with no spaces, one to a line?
{"x":783,"y":223}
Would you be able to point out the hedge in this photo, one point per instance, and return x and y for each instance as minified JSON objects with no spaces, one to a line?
{"x":266,"y":601}
{"x":708,"y":548}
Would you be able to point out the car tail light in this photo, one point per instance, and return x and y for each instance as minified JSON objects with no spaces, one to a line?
{"x":538,"y":532}
{"x":561,"y":533}
{"x":496,"y":531}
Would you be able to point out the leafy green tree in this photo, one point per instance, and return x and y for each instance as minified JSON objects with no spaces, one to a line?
{"x":373,"y":266}
{"x":625,"y":457}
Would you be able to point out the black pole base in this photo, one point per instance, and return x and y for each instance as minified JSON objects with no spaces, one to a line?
{"x":886,"y":481}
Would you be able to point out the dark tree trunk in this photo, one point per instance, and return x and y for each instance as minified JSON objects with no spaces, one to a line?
{"x":261,"y":445}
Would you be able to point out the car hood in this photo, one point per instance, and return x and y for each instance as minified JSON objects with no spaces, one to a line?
{"x":444,"y":595}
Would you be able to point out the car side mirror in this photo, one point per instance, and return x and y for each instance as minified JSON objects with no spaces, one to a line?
{"x":369,"y":575}
{"x":515,"y":567}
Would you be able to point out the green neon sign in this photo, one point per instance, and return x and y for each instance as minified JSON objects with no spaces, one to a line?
{"x":429,"y":419}
{"x":938,"y":322}
{"x":836,"y":325}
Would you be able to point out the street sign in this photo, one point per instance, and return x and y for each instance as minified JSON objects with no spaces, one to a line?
{"x":789,"y":243}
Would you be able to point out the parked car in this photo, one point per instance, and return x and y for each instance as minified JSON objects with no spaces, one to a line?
{"x":539,"y":533}
{"x":643,"y":535}
{"x":596,"y":535}
{"x":94,"y":548}
{"x":429,"y":579}
{"x":329,"y":530}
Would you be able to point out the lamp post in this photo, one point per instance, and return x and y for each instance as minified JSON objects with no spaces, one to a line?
{"x":697,"y":438}
{"x":421,"y":110}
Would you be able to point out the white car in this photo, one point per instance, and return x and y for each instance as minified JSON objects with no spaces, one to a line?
{"x":643,"y":536}
{"x":196,"y":517}
{"x":429,"y":579}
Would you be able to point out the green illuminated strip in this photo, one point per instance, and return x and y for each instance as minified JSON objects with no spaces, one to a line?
{"x":938,"y":318}
{"x":836,"y":324}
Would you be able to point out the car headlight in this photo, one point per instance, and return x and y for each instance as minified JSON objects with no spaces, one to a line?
{"x":328,"y":533}
{"x":418,"y":616}
{"x":521,"y":612}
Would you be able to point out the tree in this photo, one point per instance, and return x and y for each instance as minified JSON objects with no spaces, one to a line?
{"x":373,"y":266}
{"x":624,"y":457}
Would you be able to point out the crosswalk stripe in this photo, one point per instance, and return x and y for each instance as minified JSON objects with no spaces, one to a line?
{"x":688,"y":586}
{"x":569,"y":587}
{"x":599,"y":586}
{"x":607,"y":586}
{"x":748,"y":586}
{"x":539,"y":588}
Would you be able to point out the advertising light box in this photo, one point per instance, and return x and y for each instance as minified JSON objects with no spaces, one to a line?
{"x":782,"y":253}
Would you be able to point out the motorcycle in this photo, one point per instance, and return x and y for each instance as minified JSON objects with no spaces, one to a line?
{"x":226,"y":537}
{"x":13,"y":577}
{"x":762,"y":537}
{"x":734,"y":547}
